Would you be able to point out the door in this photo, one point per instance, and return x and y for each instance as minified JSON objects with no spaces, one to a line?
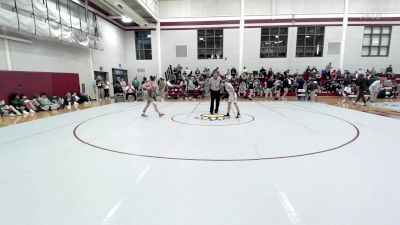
{"x":118,"y":75}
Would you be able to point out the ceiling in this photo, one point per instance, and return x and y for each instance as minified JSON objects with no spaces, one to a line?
{"x":108,"y":9}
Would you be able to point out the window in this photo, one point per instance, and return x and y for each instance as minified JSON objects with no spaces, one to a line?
{"x":310,"y":41}
{"x":273,"y":42}
{"x":376,"y":41}
{"x":210,"y":44}
{"x":143,"y":45}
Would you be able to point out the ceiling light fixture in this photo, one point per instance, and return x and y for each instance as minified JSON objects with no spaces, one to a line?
{"x":126,"y":19}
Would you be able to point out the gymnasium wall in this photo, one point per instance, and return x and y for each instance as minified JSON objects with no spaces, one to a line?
{"x":353,"y":59}
{"x":199,"y":8}
{"x":136,"y":67}
{"x":31,"y":83}
{"x":49,"y":56}
{"x":181,"y":19}
{"x":114,"y":52}
{"x":45,"y":55}
{"x":251,"y":56}
{"x":216,"y":8}
{"x":3,"y":61}
{"x":288,"y":7}
{"x":171,"y":38}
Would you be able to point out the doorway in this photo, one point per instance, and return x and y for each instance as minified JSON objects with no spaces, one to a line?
{"x":118,"y":75}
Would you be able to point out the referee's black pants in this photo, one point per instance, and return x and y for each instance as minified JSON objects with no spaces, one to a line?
{"x":215,"y":96}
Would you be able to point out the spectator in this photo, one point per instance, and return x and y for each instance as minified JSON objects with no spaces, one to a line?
{"x":161,"y":88}
{"x":313,"y":90}
{"x":28,"y":104}
{"x":144,"y":81}
{"x":106,"y":86}
{"x":197,"y":72}
{"x":250,"y":85}
{"x":178,"y":70}
{"x":263,"y":72}
{"x":347,"y":91}
{"x":277,"y":88}
{"x":270,"y":72}
{"x":46,"y":103}
{"x":8,"y":110}
{"x":122,"y":83}
{"x":242,"y":89}
{"x":269,"y":85}
{"x":136,"y":83}
{"x":373,"y":71}
{"x":233,"y":72}
{"x":188,"y":72}
{"x":18,"y":104}
{"x":334,"y":75}
{"x":286,"y":85}
{"x":389,"y":71}
{"x":300,"y":83}
{"x":190,"y":87}
{"x":118,"y":89}
{"x":69,"y":100}
{"x":130,"y":91}
{"x":100,"y":85}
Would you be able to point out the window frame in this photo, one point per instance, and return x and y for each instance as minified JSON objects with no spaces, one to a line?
{"x":141,"y":37}
{"x":267,"y":52}
{"x":204,"y":35}
{"x":305,"y":47}
{"x":379,"y":46}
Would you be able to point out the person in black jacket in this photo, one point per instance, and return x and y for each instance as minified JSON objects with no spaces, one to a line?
{"x":362,"y":84}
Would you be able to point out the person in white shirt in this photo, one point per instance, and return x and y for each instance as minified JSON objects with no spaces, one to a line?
{"x":347,"y":91}
{"x":228,"y":75}
{"x":188,"y":71}
{"x":123,"y":84}
{"x":129,"y":90}
{"x":374,"y":89}
{"x":232,"y":98}
{"x":106,"y":87}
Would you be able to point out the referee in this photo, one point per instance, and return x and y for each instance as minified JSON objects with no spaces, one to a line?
{"x":215,"y":88}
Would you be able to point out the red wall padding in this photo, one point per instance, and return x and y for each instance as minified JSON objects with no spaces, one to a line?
{"x":30,"y":83}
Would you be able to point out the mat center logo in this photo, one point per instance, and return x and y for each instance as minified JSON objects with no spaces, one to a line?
{"x":211,"y":117}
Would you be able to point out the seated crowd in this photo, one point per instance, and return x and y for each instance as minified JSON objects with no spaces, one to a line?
{"x":20,"y":104}
{"x":184,"y":83}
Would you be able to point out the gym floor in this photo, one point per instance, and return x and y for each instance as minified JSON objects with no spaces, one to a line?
{"x":281,"y":163}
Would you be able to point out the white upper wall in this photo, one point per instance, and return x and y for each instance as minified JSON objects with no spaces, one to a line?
{"x":252,"y":60}
{"x":135,"y":66}
{"x":114,"y":48}
{"x":199,"y":8}
{"x":352,"y":55}
{"x":3,"y":60}
{"x":171,"y":38}
{"x":289,"y":7}
{"x":381,"y":6}
{"x":216,"y":8}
